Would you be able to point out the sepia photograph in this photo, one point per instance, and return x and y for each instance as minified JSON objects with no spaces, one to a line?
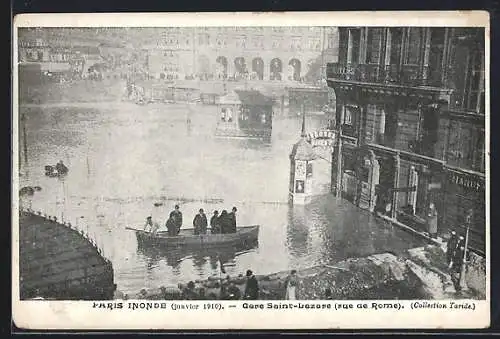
{"x":251,"y":163}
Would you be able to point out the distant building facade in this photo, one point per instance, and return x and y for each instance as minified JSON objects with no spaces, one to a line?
{"x":257,"y":53}
{"x":411,"y":124}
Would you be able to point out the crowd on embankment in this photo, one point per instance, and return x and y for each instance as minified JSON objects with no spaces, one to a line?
{"x":419,"y":274}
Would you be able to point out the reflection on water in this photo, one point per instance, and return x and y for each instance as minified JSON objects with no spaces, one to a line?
{"x":215,"y":256}
{"x":125,"y":159}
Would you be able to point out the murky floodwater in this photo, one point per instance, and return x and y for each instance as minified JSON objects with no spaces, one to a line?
{"x":123,"y":158}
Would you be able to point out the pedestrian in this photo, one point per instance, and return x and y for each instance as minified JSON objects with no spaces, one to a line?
{"x":189,"y":292}
{"x":432,"y":219}
{"x":328,"y":294}
{"x":200,"y":223}
{"x":223,"y":222}
{"x":456,"y":269}
{"x":214,"y":223}
{"x":291,"y":283}
{"x":451,"y":247}
{"x":251,"y":287}
{"x":171,"y":226}
{"x":232,"y":221}
{"x":177,"y":215}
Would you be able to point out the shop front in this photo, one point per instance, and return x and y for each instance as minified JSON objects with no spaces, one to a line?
{"x":465,"y":191}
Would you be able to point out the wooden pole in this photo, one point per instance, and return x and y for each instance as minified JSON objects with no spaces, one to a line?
{"x":463,"y":282}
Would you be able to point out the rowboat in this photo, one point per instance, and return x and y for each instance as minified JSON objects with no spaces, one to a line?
{"x":243,"y":235}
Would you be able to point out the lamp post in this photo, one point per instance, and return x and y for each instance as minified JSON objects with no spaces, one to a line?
{"x":463,"y":282}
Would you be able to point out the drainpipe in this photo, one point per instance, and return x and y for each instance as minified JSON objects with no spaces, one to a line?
{"x":338,"y":192}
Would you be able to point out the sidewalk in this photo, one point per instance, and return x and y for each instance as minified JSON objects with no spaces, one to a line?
{"x":439,"y":241}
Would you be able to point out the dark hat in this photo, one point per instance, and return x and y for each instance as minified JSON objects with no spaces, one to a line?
{"x":148,"y":217}
{"x":216,"y":212}
{"x":235,"y":209}
{"x":249,"y":273}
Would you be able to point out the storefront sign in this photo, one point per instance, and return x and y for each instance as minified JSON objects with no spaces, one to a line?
{"x":466,"y":181}
{"x":323,"y":138}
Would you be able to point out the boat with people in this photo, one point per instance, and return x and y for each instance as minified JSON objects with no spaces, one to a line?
{"x":186,"y":237}
{"x":56,"y":171}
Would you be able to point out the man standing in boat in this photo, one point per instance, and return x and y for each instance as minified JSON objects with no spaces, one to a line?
{"x":171,"y":227}
{"x":214,"y":223}
{"x":232,"y":221}
{"x":176,"y":214}
{"x":200,"y":223}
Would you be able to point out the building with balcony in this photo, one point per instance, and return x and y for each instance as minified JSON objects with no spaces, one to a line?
{"x":411,"y":124}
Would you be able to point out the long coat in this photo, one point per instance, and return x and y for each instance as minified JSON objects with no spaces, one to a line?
{"x":231,"y":223}
{"x":252,"y":288}
{"x":177,"y":215}
{"x":171,"y":227}
{"x":224,"y":222}
{"x":214,"y":224}
{"x":200,"y":224}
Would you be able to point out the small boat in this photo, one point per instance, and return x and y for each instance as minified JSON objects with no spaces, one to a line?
{"x":243,"y":235}
{"x":56,"y":171}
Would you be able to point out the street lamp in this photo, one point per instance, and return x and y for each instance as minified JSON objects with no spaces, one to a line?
{"x":463,"y":282}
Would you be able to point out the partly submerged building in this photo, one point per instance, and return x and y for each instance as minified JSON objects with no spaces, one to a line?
{"x":245,"y":114}
{"x":411,"y":124}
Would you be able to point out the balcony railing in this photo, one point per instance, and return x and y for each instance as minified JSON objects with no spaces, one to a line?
{"x":409,"y":75}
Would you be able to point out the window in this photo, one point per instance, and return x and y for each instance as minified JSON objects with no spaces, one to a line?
{"x":332,"y":41}
{"x":353,"y":46}
{"x":414,"y":41}
{"x":374,"y":45}
{"x":474,"y":86}
{"x":347,"y":116}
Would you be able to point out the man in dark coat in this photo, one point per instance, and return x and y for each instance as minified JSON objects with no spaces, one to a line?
{"x":177,"y":215}
{"x":223,"y":222}
{"x":200,"y":223}
{"x":251,"y":287}
{"x":171,"y":227}
{"x":451,"y":247}
{"x":232,"y":221}
{"x":214,"y":223}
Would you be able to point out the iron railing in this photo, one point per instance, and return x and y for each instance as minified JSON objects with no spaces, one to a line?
{"x":408,"y":75}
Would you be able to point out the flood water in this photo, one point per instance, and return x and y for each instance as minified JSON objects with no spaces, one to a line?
{"x":124,"y":158}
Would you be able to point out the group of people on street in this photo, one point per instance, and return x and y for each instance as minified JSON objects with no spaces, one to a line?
{"x":219,"y":224}
{"x":251,"y":292}
{"x":455,"y":252}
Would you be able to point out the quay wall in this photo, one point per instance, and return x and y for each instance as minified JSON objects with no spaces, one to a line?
{"x":57,"y":261}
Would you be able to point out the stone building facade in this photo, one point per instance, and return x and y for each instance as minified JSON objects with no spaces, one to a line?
{"x":258,"y":53}
{"x":411,"y":123}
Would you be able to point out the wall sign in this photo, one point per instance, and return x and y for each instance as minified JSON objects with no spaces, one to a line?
{"x":466,"y":181}
{"x":322,"y":138}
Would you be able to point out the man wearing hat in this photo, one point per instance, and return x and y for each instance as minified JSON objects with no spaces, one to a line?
{"x":176,"y":214}
{"x":251,"y":287}
{"x":232,"y":221}
{"x":200,"y":223}
{"x":451,"y":247}
{"x":214,"y":223}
